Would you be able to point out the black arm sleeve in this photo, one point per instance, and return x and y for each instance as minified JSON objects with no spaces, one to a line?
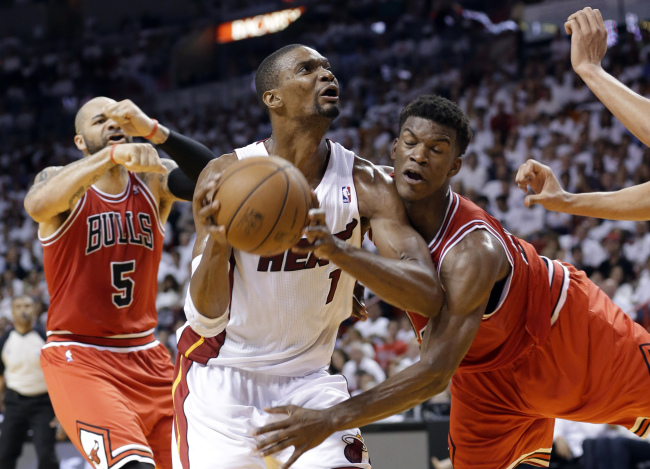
{"x":180,"y":185}
{"x":191,"y":157}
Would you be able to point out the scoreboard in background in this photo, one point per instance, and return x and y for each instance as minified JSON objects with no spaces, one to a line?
{"x":259,"y":25}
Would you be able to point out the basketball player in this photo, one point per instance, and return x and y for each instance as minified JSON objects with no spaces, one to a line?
{"x":588,"y":47}
{"x":526,"y":339}
{"x":101,"y":224}
{"x":261,"y":331}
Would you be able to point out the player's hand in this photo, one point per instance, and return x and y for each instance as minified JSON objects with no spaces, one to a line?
{"x":321,"y":241}
{"x":205,"y":208}
{"x":359,"y":310}
{"x":138,"y":158}
{"x":540,"y":178}
{"x":588,"y":39}
{"x":562,"y":448}
{"x":303,"y":429}
{"x":130,"y":118}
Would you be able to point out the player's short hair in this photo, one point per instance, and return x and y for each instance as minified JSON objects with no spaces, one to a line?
{"x":441,"y":111}
{"x":268,"y":73}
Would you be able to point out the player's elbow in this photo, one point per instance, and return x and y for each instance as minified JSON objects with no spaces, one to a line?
{"x":439,"y":376}
{"x":37,"y":208}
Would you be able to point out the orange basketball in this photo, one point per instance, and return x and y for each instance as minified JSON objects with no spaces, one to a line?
{"x":264,"y":205}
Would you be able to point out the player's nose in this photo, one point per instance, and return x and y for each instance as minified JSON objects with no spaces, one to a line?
{"x":418,"y":154}
{"x":112,"y":125}
{"x":326,"y":75}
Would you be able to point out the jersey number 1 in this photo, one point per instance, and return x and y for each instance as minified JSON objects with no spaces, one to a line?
{"x":122,"y":283}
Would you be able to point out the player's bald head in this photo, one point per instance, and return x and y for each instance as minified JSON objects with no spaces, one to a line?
{"x":90,"y":109}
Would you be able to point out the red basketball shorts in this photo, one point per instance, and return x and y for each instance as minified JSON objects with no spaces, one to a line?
{"x":593,"y":367}
{"x":114,"y":404}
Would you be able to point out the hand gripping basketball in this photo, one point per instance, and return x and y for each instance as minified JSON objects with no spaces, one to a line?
{"x":321,"y":241}
{"x":138,"y":158}
{"x":130,"y":118}
{"x":205,"y":208}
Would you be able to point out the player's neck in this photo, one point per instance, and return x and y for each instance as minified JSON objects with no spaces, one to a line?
{"x":308,"y":152}
{"x":427,"y":215}
{"x":113,"y":181}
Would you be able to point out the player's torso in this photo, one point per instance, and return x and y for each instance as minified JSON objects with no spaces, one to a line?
{"x":101,"y":264}
{"x":285,"y":310}
{"x":522,"y":312}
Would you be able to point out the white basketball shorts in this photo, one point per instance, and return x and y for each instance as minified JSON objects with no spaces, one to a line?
{"x":221,"y":406}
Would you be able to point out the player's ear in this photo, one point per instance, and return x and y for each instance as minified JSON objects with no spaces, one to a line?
{"x":272,"y":99}
{"x":455,"y":166}
{"x":393,"y":148}
{"x":80,"y":143}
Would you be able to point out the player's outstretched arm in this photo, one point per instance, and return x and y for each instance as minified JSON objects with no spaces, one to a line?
{"x":56,"y":190}
{"x":588,"y":47}
{"x":209,"y":285}
{"x":469,"y":273}
{"x":190,"y":155}
{"x":631,"y":203}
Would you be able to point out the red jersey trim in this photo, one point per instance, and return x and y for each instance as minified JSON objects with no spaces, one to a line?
{"x":452,"y":207}
{"x":558,"y":279}
{"x":58,"y":234}
{"x":152,"y":202}
{"x":114,"y":198}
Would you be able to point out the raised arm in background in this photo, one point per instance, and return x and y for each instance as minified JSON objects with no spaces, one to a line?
{"x":631,"y":203}
{"x":588,"y":47}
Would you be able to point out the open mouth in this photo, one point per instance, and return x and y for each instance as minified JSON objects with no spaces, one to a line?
{"x":331,"y":93}
{"x":413,"y":177}
{"x":116,"y":138}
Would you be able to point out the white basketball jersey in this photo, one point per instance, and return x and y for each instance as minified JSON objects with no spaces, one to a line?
{"x":285,"y":311}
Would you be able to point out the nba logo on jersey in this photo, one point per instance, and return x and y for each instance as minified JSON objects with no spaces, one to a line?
{"x":346,"y":194}
{"x":136,"y":191}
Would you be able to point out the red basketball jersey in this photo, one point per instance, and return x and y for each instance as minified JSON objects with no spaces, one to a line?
{"x":101,"y":264}
{"x":532,"y":296}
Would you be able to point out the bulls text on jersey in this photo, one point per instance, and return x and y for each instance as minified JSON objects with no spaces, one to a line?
{"x":107,"y":229}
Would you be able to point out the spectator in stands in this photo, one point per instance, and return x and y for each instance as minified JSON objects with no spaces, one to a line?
{"x":391,"y":347}
{"x":26,"y":402}
{"x":375,"y":327}
{"x":359,"y":361}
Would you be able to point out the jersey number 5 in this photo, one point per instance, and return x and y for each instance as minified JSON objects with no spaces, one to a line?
{"x":122,"y":283}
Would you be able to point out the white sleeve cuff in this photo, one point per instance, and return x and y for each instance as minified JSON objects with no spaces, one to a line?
{"x":204,"y":326}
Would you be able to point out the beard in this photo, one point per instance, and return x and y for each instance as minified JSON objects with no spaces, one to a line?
{"x":332,"y":111}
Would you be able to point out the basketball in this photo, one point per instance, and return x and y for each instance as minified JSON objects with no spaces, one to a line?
{"x":264,"y":205}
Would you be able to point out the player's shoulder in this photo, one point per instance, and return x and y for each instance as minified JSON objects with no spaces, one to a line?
{"x":366,"y":172}
{"x":222,"y":162}
{"x":476,"y":249}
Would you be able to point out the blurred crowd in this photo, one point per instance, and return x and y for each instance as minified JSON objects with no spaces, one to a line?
{"x":524,"y":101}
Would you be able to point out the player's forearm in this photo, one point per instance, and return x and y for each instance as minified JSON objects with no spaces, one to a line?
{"x":406,"y":284}
{"x":397,"y":394}
{"x":631,"y":203}
{"x":629,"y":107}
{"x":210,"y":283}
{"x":56,"y":193}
